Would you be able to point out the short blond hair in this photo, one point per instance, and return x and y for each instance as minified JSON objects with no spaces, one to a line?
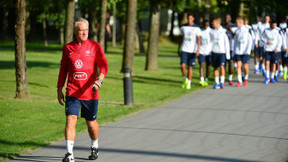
{"x":80,"y":20}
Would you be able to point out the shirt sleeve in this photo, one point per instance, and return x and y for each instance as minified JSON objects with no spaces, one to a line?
{"x":181,"y":31}
{"x":198,"y":32}
{"x":101,"y":60}
{"x":227,"y":48}
{"x":63,"y":69}
{"x":279,"y":44}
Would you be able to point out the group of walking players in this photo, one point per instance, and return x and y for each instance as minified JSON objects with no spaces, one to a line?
{"x":230,"y":46}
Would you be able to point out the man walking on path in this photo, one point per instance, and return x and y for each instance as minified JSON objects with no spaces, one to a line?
{"x":220,"y":51}
{"x":272,"y":41}
{"x":80,"y":60}
{"x":189,"y":43}
{"x":242,"y":49}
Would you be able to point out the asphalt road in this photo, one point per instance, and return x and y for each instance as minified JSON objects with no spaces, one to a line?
{"x":235,"y":124}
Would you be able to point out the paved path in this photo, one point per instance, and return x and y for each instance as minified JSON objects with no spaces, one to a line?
{"x":235,"y":124}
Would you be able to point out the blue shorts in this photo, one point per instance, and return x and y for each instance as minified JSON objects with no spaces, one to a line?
{"x":284,"y":56}
{"x":188,"y":58}
{"x":261,"y":51}
{"x":272,"y":57}
{"x":278,"y":57}
{"x":88,"y":108}
{"x":218,"y":59}
{"x":206,"y":59}
{"x":243,"y":58}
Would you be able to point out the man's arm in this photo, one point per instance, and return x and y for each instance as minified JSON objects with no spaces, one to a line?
{"x":62,"y":77}
{"x":198,"y":45}
{"x":179,"y":45}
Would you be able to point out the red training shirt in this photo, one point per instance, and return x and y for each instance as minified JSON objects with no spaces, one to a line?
{"x":80,"y":63}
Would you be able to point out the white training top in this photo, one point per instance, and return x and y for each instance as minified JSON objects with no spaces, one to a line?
{"x":230,"y":35}
{"x":251,"y":32}
{"x":273,"y":35}
{"x":242,"y":41}
{"x":220,"y":42}
{"x":261,"y":28}
{"x":190,"y":34}
{"x":205,"y":46}
{"x":284,"y":36}
{"x":256,"y":32}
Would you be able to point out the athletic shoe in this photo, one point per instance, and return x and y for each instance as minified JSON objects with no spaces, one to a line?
{"x":285,"y":76}
{"x":230,"y":83}
{"x":267,"y":80}
{"x":216,"y":86}
{"x":245,"y":83}
{"x":202,"y":83}
{"x":188,"y":86}
{"x":238,"y":85}
{"x":276,"y":79}
{"x":272,"y":80}
{"x":222,"y":85}
{"x":94,"y":154}
{"x":68,"y":158}
{"x":184,"y":84}
{"x":256,"y":71}
{"x":205,"y":83}
{"x":280,"y":73}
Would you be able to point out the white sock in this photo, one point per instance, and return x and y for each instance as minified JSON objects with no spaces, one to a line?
{"x":94,"y":143}
{"x":272,"y":75}
{"x":230,"y":77}
{"x":189,"y":82}
{"x":246,"y":76}
{"x":217,"y":79}
{"x":222,"y":79}
{"x":239,"y":78}
{"x":285,"y":69}
{"x":184,"y":77}
{"x":69,"y":146}
{"x":202,"y":79}
{"x":276,"y":72}
{"x":281,"y":68}
{"x":263,"y":66}
{"x":267,"y":73}
{"x":235,"y":65}
{"x":257,"y":65}
{"x":206,"y":79}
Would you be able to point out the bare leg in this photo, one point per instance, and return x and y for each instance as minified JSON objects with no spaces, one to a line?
{"x":93,"y":129}
{"x":183,"y":70}
{"x":190,"y":70}
{"x":70,"y":129}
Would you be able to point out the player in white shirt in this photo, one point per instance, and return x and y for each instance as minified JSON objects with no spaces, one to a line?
{"x":205,"y":53}
{"x":272,"y":41}
{"x":256,"y":42}
{"x":242,"y":48}
{"x":284,"y":49}
{"x":230,"y":29}
{"x":261,"y":51}
{"x":188,"y":48}
{"x":220,"y":51}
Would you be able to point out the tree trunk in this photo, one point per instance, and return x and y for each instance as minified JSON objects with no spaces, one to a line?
{"x":70,"y":13}
{"x":44,"y":29}
{"x":171,"y":34}
{"x":114,"y":26}
{"x":103,"y":23}
{"x":22,"y":89}
{"x":128,"y":54}
{"x":94,"y":23}
{"x":141,"y":42}
{"x":152,"y":53}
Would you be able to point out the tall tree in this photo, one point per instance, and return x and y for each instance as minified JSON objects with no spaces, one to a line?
{"x":44,"y":29}
{"x":114,"y":25}
{"x":128,"y":54}
{"x":70,"y":14}
{"x":152,"y":53}
{"x":103,"y":23}
{"x":22,"y":89}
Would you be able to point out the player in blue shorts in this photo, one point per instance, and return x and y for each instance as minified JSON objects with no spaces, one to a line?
{"x":189,"y":42}
{"x":272,"y":41}
{"x":220,"y":51}
{"x":205,"y":53}
{"x":284,"y":50}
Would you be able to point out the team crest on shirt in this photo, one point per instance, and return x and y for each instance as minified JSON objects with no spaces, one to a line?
{"x":87,"y":53}
{"x":78,"y":64}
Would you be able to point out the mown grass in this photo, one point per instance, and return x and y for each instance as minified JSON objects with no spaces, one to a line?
{"x":35,"y":122}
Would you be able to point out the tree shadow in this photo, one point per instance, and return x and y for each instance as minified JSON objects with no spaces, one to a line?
{"x":30,"y":64}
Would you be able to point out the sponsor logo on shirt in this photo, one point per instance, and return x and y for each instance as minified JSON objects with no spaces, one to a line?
{"x":80,"y":76}
{"x":78,"y":64}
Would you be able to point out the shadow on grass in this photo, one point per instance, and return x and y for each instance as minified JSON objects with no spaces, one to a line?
{"x":30,"y":64}
{"x":34,"y":47}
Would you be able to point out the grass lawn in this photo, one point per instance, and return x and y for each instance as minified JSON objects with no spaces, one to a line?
{"x":35,"y":122}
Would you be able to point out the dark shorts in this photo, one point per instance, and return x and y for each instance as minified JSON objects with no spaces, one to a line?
{"x":188,"y":58}
{"x":206,"y":59}
{"x":218,"y":59}
{"x":88,"y":108}
{"x":272,"y":57}
{"x":243,"y":58}
{"x":231,"y":57}
{"x":284,"y":56}
{"x":261,"y":51}
{"x":278,"y":57}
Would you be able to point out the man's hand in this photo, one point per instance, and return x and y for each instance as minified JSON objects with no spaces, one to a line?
{"x":268,"y":42}
{"x":256,"y":45}
{"x":96,"y":85}
{"x":60,"y":95}
{"x":179,"y":53}
{"x":276,"y":51}
{"x":197,"y":53}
